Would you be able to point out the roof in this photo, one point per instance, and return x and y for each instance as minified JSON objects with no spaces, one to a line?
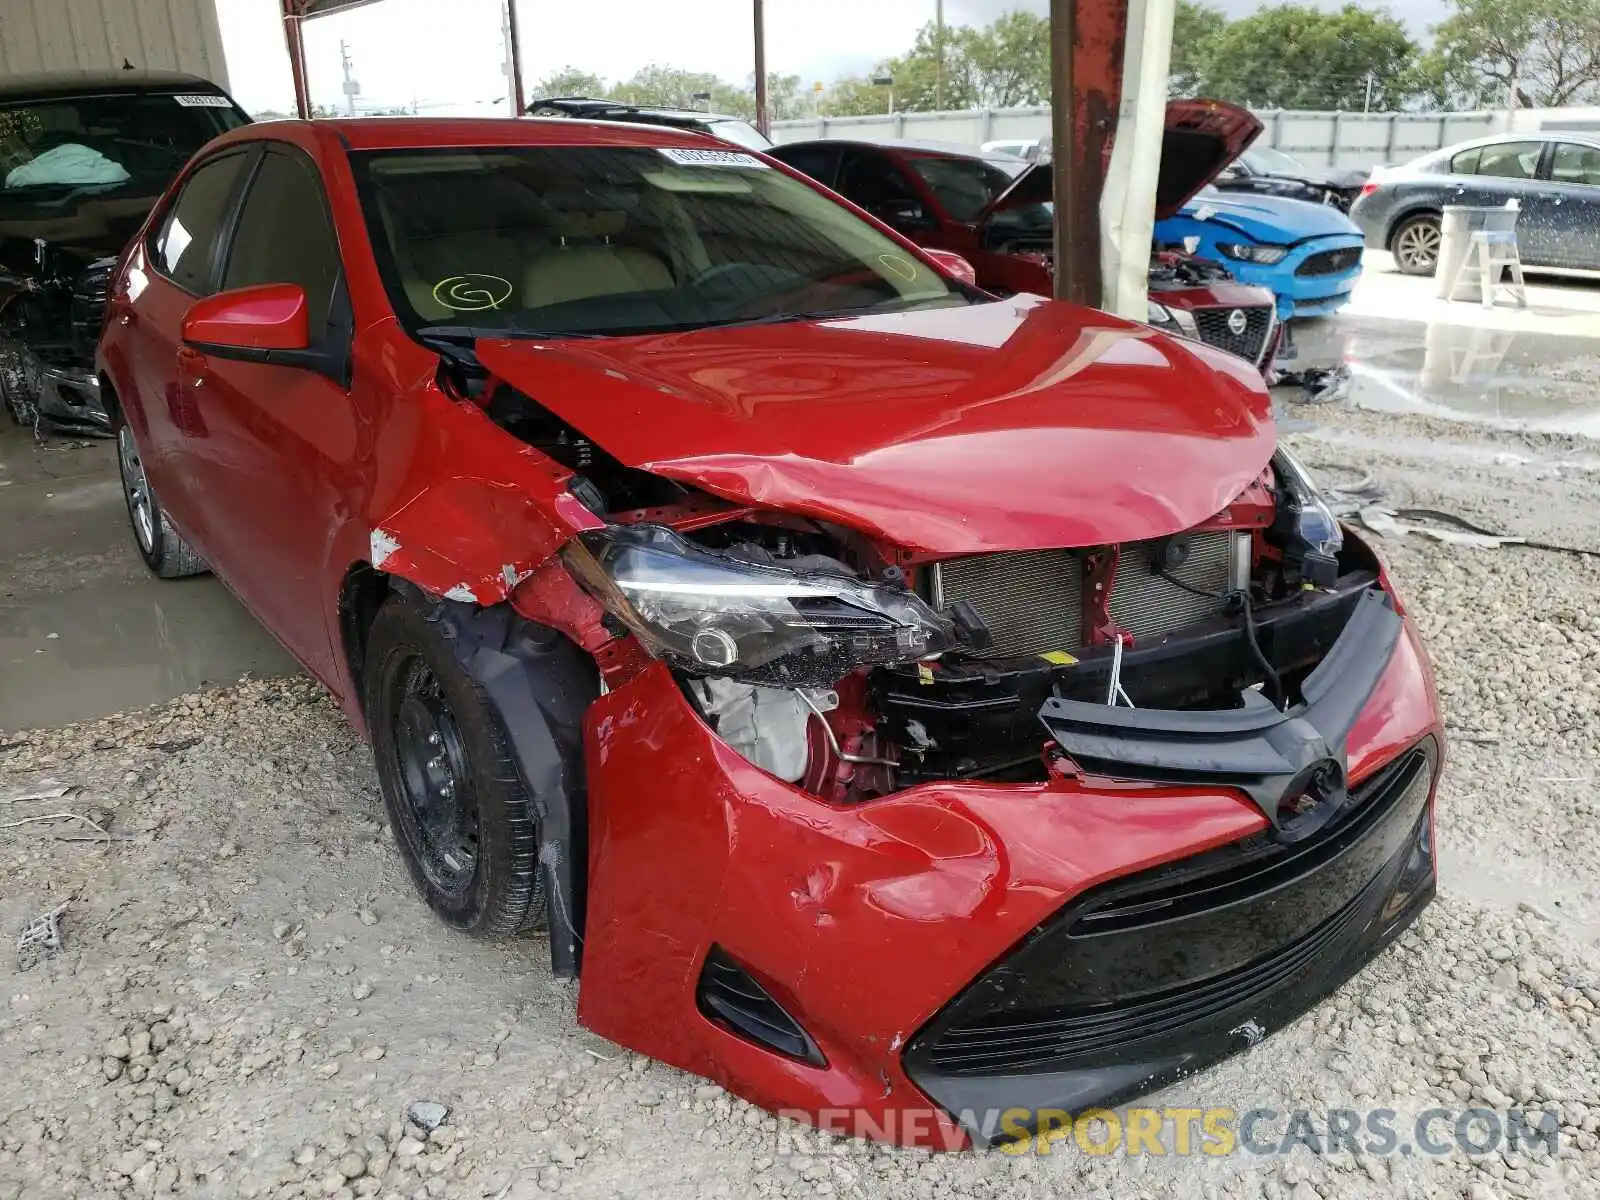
{"x":419,"y":133}
{"x":50,"y":84}
{"x":596,"y":107}
{"x":944,"y":149}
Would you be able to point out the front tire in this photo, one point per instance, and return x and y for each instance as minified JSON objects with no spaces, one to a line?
{"x":465,"y":824}
{"x":160,"y":545}
{"x":1415,"y":244}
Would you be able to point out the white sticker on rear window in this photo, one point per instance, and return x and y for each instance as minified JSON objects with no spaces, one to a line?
{"x":204,"y":101}
{"x":714,"y":158}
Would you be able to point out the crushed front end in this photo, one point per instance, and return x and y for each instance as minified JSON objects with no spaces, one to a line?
{"x":919,"y":847}
{"x":52,"y":307}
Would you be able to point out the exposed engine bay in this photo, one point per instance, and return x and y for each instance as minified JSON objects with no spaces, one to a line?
{"x":855,"y":669}
{"x":52,"y":306}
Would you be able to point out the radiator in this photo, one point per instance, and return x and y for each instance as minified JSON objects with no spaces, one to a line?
{"x":1032,"y":600}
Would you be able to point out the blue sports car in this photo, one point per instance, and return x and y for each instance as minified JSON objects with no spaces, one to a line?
{"x":1308,"y":254}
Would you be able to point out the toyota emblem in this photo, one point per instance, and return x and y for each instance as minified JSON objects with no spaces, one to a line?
{"x":1237,"y":322}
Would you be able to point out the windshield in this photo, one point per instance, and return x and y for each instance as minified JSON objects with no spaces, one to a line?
{"x":740,"y":133}
{"x":1264,"y":160}
{"x":965,"y":187}
{"x":594,"y":240}
{"x":133,"y":145}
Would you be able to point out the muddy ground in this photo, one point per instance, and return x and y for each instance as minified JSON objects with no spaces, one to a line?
{"x":249,"y":997}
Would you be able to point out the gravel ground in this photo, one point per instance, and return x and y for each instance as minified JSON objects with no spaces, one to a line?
{"x":250,"y":1000}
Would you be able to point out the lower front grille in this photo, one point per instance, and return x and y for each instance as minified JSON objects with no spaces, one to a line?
{"x":1240,"y":331}
{"x":1143,"y":958}
{"x":1330,"y":262}
{"x":1032,"y":601}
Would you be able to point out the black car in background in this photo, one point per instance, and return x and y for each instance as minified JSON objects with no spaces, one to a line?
{"x":84,"y":156}
{"x":729,"y":129}
{"x":1553,"y":177}
{"x":1270,"y":172}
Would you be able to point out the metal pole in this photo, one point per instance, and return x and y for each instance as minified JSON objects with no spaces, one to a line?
{"x":293,"y":36}
{"x":763,"y":117}
{"x":938,"y":46}
{"x":349,"y":95}
{"x":1086,"y":48}
{"x":519,"y":104}
{"x":1366,"y":105}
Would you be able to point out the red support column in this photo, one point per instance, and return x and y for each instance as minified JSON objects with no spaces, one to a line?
{"x":292,"y":21}
{"x":1086,"y":48}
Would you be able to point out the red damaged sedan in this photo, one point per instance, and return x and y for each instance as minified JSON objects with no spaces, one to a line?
{"x":916,"y":711}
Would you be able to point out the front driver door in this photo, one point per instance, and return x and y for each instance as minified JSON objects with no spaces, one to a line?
{"x":282,"y":438}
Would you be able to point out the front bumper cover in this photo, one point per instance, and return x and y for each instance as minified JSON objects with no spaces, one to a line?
{"x":868,"y":924}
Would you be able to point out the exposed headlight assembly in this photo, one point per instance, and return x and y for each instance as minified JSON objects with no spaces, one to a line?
{"x":1176,"y":321}
{"x":717,"y":615}
{"x":1245,"y":252}
{"x":1305,"y":525}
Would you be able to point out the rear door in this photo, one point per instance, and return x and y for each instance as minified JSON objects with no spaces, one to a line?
{"x":1561,"y":224}
{"x":183,"y":260}
{"x":282,"y":438}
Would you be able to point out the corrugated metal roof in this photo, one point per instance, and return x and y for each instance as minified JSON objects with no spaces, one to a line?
{"x":92,"y":35}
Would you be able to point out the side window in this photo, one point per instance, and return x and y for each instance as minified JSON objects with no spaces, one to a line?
{"x":186,"y":247}
{"x":819,"y":162}
{"x":285,"y":235}
{"x":1503,"y":160}
{"x":1573,"y":162}
{"x":875,"y":183}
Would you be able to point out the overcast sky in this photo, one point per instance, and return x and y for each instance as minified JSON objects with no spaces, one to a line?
{"x":449,"y":52}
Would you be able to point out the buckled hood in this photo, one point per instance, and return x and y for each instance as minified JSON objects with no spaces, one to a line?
{"x":1009,"y":425}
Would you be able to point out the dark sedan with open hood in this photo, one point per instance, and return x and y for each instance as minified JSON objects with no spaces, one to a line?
{"x":918,"y":711}
{"x":997,"y":214}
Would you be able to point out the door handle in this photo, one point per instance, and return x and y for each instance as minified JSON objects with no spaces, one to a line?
{"x":192,"y":362}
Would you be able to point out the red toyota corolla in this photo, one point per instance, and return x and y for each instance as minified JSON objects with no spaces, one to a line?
{"x":914,"y":710}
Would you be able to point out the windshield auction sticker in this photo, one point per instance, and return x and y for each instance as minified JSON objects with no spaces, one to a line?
{"x":204,"y":101}
{"x":715,"y":158}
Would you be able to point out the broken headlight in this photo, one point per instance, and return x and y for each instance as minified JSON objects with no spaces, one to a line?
{"x":716,"y":615}
{"x":1305,"y":525}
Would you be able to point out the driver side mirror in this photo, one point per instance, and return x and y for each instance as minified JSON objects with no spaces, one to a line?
{"x":270,"y":324}
{"x":250,"y":324}
{"x":1232,"y":173}
{"x":953,"y":265}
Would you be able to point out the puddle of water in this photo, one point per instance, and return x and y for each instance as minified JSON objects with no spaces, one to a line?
{"x":1497,"y":378}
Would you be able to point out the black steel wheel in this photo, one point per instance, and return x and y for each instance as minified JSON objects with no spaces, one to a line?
{"x":439,"y":803}
{"x":463,"y":819}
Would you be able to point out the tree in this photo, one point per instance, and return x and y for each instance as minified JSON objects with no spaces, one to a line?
{"x":569,"y":81}
{"x":1195,"y":27}
{"x":1007,"y":64}
{"x":853,"y":97}
{"x":672,"y":87}
{"x":1547,"y":49}
{"x":1294,"y":56}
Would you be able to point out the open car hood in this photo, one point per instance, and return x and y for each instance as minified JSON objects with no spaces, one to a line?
{"x":1011,"y":425}
{"x":1202,"y":137}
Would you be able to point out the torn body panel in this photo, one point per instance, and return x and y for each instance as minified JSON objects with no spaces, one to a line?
{"x":833,"y":907}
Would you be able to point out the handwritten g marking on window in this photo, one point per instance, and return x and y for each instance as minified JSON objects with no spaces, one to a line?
{"x":472,"y":293}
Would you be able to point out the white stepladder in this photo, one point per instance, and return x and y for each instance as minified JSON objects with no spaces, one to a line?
{"x":1488,"y":253}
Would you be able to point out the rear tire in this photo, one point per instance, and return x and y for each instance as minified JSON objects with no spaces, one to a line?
{"x":160,"y":545}
{"x":1415,"y":244}
{"x":466,"y":825}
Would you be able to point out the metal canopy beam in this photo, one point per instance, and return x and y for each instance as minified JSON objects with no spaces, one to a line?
{"x":1086,"y":48}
